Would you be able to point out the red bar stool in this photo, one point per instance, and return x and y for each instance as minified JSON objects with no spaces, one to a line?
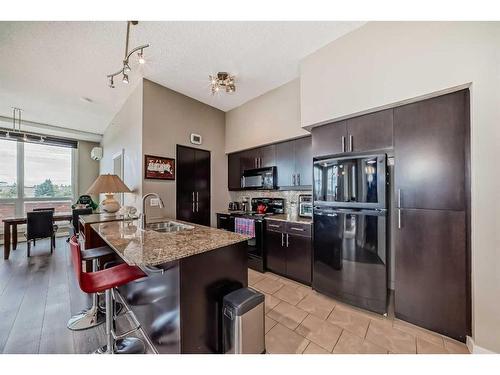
{"x":92,"y":316}
{"x":105,"y":281}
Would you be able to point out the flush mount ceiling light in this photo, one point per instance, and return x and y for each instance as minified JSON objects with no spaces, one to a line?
{"x":222,"y":81}
{"x":126,"y":67}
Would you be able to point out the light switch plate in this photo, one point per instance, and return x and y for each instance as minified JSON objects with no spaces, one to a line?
{"x":154,"y":202}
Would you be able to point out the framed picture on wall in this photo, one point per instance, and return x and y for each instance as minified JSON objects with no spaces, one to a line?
{"x":159,"y":168}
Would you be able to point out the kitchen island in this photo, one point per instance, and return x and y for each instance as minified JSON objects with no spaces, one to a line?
{"x":189,"y":268}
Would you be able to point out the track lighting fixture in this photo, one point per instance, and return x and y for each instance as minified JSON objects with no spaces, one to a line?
{"x":25,"y":138}
{"x":126,"y":67}
{"x":141,"y":57}
{"x":42,"y":139}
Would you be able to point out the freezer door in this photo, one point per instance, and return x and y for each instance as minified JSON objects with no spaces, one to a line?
{"x":350,"y":256}
{"x":355,"y":181}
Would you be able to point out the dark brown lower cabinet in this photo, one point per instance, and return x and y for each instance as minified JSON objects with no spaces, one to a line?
{"x":276,"y":252}
{"x":298,"y":258}
{"x":431,"y":269}
{"x":289,"y":254}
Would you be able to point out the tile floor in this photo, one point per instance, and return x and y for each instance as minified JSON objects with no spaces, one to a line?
{"x":300,"y":320}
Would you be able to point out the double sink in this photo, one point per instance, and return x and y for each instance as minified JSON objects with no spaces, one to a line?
{"x":168,"y":226}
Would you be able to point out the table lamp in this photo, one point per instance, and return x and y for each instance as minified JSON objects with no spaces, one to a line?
{"x":108,"y":184}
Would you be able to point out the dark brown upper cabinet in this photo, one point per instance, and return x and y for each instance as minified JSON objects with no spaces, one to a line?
{"x":293,"y":160}
{"x":303,"y":161}
{"x":266,"y":156}
{"x":370,"y":132}
{"x":285,"y":163}
{"x":430,"y":153}
{"x":294,"y":163}
{"x":233,"y":171}
{"x":329,"y":139}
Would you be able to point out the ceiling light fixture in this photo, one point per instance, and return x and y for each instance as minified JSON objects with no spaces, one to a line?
{"x":220,"y":81}
{"x":126,"y":67}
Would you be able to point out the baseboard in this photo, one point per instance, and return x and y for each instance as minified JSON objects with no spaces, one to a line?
{"x":476,"y":349}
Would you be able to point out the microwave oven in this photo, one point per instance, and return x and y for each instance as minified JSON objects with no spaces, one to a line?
{"x":259,"y":178}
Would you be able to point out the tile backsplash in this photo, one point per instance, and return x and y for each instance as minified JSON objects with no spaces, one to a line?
{"x":291,"y":197}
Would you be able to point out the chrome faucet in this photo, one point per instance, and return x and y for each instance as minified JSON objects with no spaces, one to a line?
{"x":143,"y":221}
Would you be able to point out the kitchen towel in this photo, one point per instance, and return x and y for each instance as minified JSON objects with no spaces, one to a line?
{"x":244,"y":226}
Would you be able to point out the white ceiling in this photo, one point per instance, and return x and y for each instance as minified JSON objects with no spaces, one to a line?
{"x":47,"y":67}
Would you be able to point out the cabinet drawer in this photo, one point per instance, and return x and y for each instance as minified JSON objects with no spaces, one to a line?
{"x":299,"y":229}
{"x":275,"y":225}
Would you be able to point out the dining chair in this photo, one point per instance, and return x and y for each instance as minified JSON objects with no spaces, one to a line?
{"x":76,"y":212}
{"x":56,"y":227}
{"x":40,"y":225}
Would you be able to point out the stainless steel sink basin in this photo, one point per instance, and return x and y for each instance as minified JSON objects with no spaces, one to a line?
{"x":168,"y":226}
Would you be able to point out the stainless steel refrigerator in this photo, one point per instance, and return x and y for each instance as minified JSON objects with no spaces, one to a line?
{"x":350,"y":235}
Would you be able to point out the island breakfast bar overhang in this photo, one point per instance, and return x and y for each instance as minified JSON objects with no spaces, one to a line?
{"x":179,"y":304}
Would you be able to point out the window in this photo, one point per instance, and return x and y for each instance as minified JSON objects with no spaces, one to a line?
{"x":8,"y":178}
{"x":35,"y":175}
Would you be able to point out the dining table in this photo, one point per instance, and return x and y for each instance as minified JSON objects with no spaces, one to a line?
{"x":10,"y":230}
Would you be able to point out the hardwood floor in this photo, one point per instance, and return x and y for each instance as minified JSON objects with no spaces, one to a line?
{"x":37,"y":297}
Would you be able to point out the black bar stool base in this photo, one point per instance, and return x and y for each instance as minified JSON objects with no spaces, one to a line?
{"x":128,"y":345}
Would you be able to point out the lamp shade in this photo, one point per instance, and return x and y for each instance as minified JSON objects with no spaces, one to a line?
{"x":108,"y":183}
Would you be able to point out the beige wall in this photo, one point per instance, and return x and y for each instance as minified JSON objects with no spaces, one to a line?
{"x":169,"y":118}
{"x":88,"y":169}
{"x":125,"y":132}
{"x":383,"y":63}
{"x":271,"y":117}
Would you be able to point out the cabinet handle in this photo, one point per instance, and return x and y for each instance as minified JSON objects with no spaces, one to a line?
{"x":399,"y":218}
{"x":293,"y":179}
{"x":197,"y":206}
{"x":399,"y":198}
{"x":273,"y":225}
{"x":343,"y":144}
{"x":222,"y":218}
{"x":298,"y":178}
{"x":287,"y":240}
{"x":299,"y":229}
{"x":260,"y":162}
{"x":193,"y":201}
{"x":282,"y":239}
{"x":350,"y":142}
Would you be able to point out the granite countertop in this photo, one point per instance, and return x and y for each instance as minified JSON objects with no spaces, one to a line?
{"x":291,"y":218}
{"x":103,"y":218}
{"x":149,"y":248}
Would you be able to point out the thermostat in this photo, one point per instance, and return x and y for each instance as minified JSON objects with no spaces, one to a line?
{"x":196,"y":139}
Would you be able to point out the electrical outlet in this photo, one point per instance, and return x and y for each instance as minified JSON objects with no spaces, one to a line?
{"x":154,"y":202}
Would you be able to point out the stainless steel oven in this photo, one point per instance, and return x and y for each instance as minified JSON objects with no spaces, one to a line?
{"x":305,"y":205}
